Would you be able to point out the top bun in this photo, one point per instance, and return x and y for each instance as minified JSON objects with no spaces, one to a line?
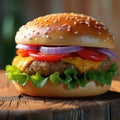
{"x":65,"y":29}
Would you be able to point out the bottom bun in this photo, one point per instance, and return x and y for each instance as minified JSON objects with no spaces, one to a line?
{"x":60,"y":90}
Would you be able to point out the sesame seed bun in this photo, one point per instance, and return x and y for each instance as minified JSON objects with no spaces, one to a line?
{"x":65,"y":29}
{"x":60,"y":90}
{"x":61,"y":30}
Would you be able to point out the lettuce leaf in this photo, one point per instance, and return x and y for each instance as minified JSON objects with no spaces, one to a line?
{"x":71,"y":78}
{"x":37,"y":80}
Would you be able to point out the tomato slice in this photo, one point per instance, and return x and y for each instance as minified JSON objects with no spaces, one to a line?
{"x":86,"y":53}
{"x":25,"y":53}
{"x":48,"y":57}
{"x":91,"y":54}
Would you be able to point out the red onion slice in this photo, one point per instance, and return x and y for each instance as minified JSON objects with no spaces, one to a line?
{"x":108,"y":52}
{"x":27,"y":47}
{"x":60,"y":50}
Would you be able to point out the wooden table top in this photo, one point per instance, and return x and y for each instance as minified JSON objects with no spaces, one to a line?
{"x":14,"y":105}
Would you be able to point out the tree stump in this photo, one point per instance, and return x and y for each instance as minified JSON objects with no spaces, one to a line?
{"x":16,"y":106}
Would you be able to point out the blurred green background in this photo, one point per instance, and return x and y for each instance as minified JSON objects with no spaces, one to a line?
{"x":15,"y":13}
{"x":11,"y":21}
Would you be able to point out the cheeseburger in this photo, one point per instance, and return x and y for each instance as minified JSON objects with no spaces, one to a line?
{"x":63,"y":55}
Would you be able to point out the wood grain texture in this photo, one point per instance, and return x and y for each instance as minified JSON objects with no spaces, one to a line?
{"x":15,"y":106}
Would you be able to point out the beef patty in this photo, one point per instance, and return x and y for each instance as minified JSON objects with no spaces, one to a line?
{"x":47,"y":68}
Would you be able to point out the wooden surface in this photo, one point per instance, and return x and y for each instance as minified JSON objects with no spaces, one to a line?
{"x":15,"y":106}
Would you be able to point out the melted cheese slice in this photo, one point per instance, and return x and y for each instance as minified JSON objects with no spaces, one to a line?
{"x":22,"y":62}
{"x":81,"y":64}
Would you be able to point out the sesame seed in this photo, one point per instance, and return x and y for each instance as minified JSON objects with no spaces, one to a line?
{"x":88,"y":25}
{"x":67,"y":18}
{"x":58,"y":19}
{"x":76,"y":32}
{"x":81,"y":22}
{"x":69,"y":28}
{"x":41,"y":25}
{"x":59,"y":29}
{"x":47,"y":25}
{"x":99,"y":33}
{"x":47,"y":36}
{"x":87,"y":22}
{"x":64,"y":25}
{"x":104,"y":28}
{"x":48,"y":28}
{"x":75,"y":23}
{"x":78,"y":20}
{"x":72,"y":13}
{"x":46,"y":20}
{"x":97,"y":22}
{"x":88,"y":17}
{"x":82,"y":15}
{"x":95,"y":26}
{"x":61,"y":37}
{"x":45,"y":32}
{"x":55,"y":21}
